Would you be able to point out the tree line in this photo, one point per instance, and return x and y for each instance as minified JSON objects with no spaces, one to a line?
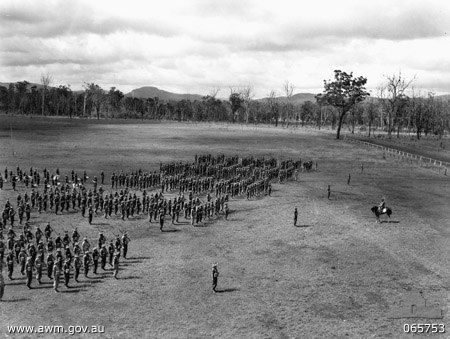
{"x":396,"y":109}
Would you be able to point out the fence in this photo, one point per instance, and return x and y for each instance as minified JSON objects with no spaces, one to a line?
{"x":438,"y":165}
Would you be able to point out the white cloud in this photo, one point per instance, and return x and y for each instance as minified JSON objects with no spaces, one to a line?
{"x":191,"y":46}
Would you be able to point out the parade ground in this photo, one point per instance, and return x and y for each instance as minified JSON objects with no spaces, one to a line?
{"x":336,"y":274}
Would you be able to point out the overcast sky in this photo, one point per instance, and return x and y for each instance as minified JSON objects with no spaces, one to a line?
{"x":192,"y":46}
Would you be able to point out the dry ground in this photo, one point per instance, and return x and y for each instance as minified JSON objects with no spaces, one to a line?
{"x":339,"y":275}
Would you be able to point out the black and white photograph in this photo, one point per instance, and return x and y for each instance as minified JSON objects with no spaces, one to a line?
{"x":224,"y":169}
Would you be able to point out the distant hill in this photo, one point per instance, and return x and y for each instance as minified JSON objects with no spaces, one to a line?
{"x":152,"y":92}
{"x":296,"y":99}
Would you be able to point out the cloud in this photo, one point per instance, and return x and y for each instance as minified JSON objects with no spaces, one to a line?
{"x":195,"y":45}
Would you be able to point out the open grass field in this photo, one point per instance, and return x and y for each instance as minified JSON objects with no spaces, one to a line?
{"x":338,"y":275}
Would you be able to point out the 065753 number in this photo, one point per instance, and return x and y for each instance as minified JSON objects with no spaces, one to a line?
{"x":424,"y":328}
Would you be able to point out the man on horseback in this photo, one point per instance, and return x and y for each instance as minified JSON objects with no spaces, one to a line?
{"x":382,"y":206}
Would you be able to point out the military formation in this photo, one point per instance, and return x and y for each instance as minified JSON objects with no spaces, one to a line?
{"x":201,"y":190}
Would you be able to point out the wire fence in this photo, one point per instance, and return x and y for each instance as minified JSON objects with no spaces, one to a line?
{"x":440,"y":166}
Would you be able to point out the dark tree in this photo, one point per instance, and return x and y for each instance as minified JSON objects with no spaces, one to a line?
{"x":343,"y":93}
{"x":236,"y":102}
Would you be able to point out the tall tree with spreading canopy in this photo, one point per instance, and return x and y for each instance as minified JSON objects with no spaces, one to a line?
{"x":343,"y":93}
{"x":236,"y":102}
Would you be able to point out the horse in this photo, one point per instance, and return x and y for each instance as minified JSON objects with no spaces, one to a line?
{"x":375,"y":210}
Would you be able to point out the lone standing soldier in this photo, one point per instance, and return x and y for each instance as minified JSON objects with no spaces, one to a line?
{"x":125,"y":241}
{"x":215,"y":274}
{"x":295,"y":216}
{"x":329,"y":191}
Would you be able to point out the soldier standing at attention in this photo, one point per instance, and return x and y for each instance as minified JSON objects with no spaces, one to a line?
{"x":77,"y":264}
{"x":295,"y":216}
{"x":116,"y":264}
{"x":95,"y":256}
{"x":50,"y":263}
{"x":56,"y":276}
{"x":103,"y":256}
{"x":38,"y":265}
{"x":10,"y":263}
{"x":66,"y":269}
{"x":215,"y":274}
{"x":85,"y":245}
{"x":91,"y":215}
{"x":161,"y":220}
{"x":86,"y":263}
{"x":111,"y":250}
{"x":125,"y":242}
{"x":227,"y":211}
{"x":22,"y":261}
{"x":102,"y":175}
{"x":29,"y":270}
{"x":101,"y":240}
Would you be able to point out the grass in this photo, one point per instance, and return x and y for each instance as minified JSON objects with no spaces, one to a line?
{"x":339,"y":275}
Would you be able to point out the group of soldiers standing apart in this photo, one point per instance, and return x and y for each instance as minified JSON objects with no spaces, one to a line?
{"x":207,"y":175}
